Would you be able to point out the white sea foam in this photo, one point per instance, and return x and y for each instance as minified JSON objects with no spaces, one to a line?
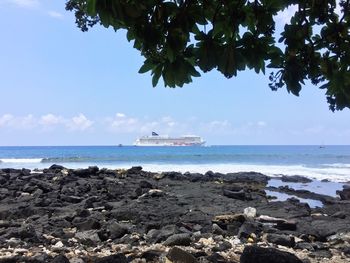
{"x":21,"y":160}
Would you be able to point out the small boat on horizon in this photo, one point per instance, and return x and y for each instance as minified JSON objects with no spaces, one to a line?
{"x":163,"y":140}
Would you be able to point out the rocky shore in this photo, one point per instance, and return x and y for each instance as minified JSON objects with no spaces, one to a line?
{"x":100,"y":215}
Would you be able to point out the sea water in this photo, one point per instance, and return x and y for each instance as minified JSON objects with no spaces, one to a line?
{"x":325,"y":162}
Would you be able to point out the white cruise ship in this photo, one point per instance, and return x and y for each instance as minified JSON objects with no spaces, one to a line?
{"x":163,"y":140}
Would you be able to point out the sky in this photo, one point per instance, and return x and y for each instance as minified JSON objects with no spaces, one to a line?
{"x":60,"y":86}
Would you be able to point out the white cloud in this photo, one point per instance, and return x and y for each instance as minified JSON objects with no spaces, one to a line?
{"x":261,"y":123}
{"x":5,"y":119}
{"x":25,"y":3}
{"x":22,"y":122}
{"x":120,"y":115}
{"x":122,"y":123}
{"x":50,"y":120}
{"x":55,"y":14}
{"x":79,"y":123}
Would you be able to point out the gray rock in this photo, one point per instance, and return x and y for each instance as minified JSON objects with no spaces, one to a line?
{"x":89,"y":237}
{"x":247,"y":228}
{"x":304,"y":245}
{"x":239,"y":195}
{"x":254,"y":254}
{"x":178,"y":240}
{"x":83,"y":224}
{"x":217,"y":230}
{"x":344,"y":194}
{"x":222,"y":246}
{"x":178,"y":255}
{"x":117,"y":230}
{"x":321,"y":254}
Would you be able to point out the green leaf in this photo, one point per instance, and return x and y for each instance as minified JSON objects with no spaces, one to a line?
{"x":157,"y":72}
{"x":147,"y":66}
{"x":91,"y":7}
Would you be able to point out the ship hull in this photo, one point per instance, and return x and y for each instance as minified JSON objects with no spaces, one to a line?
{"x":169,"y":141}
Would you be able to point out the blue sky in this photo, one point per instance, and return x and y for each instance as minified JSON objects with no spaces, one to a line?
{"x":60,"y":86}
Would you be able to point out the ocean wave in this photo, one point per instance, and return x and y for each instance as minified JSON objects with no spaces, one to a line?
{"x":337,"y":165}
{"x":21,"y":160}
{"x":74,"y":159}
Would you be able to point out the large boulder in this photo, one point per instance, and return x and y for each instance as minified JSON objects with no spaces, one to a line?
{"x":254,"y":254}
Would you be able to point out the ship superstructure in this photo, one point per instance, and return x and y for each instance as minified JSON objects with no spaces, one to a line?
{"x":163,"y":140}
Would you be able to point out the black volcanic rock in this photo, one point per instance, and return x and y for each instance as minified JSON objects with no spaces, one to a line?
{"x":254,"y":254}
{"x":295,"y":179}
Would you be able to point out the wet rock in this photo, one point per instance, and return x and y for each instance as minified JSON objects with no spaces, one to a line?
{"x":178,"y":240}
{"x":283,"y":240}
{"x":254,"y":254}
{"x":177,"y":255}
{"x":344,"y":194}
{"x":55,"y":168}
{"x":295,"y":179}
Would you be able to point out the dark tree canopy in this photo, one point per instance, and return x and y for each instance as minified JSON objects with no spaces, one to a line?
{"x":180,"y":37}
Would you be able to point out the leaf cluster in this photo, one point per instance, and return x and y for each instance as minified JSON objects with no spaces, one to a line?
{"x":179,"y":38}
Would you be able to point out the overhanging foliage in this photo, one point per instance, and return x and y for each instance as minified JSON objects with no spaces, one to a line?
{"x":178,"y":38}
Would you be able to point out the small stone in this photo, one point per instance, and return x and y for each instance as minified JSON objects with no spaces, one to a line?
{"x":250,"y":240}
{"x":59,"y":244}
{"x":250,"y":212}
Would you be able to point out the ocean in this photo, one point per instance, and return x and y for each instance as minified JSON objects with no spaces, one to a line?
{"x":326,"y":162}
